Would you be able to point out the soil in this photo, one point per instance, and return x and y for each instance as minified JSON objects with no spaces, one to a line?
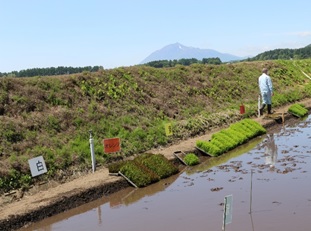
{"x":20,"y":209}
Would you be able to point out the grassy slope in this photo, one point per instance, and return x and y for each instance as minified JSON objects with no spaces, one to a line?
{"x":52,"y":116}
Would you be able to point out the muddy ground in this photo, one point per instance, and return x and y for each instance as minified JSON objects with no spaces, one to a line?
{"x":18,"y":210}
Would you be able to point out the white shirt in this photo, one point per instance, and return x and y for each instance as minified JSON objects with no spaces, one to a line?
{"x":265,"y":83}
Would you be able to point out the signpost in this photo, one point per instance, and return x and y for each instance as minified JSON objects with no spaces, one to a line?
{"x":92,"y":152}
{"x":227,"y":216}
{"x":112,"y":145}
{"x":37,"y":166}
{"x":168,"y":129}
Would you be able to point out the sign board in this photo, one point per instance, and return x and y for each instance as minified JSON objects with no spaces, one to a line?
{"x":228,"y":209}
{"x":112,"y":145}
{"x":168,"y":129}
{"x":37,"y":166}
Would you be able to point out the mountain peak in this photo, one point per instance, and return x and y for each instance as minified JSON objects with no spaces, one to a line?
{"x":179,"y":45}
{"x":178,"y":51}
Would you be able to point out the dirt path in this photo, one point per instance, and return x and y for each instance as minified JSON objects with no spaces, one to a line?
{"x":17,"y":210}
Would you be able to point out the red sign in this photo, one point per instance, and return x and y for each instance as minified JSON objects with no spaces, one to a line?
{"x":112,"y":145}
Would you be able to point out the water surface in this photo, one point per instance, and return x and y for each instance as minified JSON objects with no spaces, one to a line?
{"x":269,"y":179}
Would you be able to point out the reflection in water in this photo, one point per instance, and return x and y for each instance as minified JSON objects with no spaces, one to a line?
{"x":251,"y":200}
{"x":99,"y":211}
{"x":137,"y":194}
{"x":271,"y":151}
{"x":252,"y":222}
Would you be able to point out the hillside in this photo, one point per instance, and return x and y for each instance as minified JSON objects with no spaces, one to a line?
{"x":300,"y":53}
{"x":52,"y":116}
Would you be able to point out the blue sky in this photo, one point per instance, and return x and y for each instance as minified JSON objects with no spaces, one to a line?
{"x":114,"y":33}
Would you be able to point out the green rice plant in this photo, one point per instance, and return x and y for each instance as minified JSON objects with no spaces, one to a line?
{"x":116,"y":166}
{"x":139,"y":174}
{"x":142,"y":157}
{"x":222,"y":146}
{"x":254,"y":126}
{"x":298,"y":110}
{"x":243,"y":130}
{"x":160,"y":165}
{"x":225,"y":140}
{"x":145,"y":169}
{"x":248,"y":127}
{"x":236,"y":134}
{"x":191,"y":159}
{"x":208,"y":147}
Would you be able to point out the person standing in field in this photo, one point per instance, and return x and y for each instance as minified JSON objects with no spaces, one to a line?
{"x":266,"y":90}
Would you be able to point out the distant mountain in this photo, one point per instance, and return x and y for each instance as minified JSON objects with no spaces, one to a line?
{"x":178,"y":51}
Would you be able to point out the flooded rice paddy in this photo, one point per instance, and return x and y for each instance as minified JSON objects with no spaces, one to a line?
{"x":269,"y":179}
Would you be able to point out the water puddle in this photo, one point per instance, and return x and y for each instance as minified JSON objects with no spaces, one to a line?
{"x":269,"y":179}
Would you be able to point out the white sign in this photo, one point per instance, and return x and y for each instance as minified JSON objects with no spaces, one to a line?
{"x":37,"y":166}
{"x":228,"y":209}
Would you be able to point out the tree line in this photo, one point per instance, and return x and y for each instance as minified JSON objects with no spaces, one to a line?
{"x":50,"y":71}
{"x":301,"y":53}
{"x":184,"y":62}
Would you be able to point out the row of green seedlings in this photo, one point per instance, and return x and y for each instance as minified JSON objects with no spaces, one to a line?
{"x":191,"y":159}
{"x":228,"y":139}
{"x":298,"y":110}
{"x":145,"y":169}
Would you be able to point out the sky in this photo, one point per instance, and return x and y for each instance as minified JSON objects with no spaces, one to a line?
{"x":116,"y":33}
